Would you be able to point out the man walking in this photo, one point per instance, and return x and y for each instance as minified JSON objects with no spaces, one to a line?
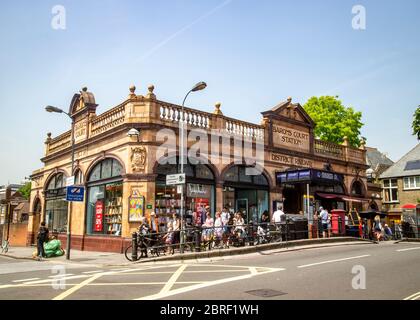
{"x":43,"y":235}
{"x":324,"y":219}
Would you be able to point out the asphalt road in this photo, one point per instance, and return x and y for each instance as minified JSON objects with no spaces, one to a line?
{"x":351,"y":271}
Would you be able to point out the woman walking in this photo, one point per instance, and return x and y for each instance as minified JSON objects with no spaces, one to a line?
{"x":377,"y":228}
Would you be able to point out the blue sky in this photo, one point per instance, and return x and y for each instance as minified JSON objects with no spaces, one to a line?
{"x":252,"y":54}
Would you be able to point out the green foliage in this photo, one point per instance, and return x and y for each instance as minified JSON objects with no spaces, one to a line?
{"x":416,"y":123}
{"x":334,"y":121}
{"x":25,"y":191}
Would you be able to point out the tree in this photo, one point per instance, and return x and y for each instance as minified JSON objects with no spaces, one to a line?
{"x":25,"y":191}
{"x":416,"y":123}
{"x":334,"y":121}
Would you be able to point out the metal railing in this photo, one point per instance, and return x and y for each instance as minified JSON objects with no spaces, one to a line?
{"x":203,"y":238}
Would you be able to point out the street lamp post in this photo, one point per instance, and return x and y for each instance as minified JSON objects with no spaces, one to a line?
{"x":58,"y":110}
{"x":199,"y":86}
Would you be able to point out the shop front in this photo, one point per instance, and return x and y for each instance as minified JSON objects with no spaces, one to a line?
{"x":200,"y":192}
{"x":248,"y":194}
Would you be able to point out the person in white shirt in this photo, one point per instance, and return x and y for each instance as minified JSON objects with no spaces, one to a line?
{"x":277,"y":215}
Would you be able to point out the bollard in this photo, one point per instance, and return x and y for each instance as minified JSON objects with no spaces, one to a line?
{"x":197,"y":234}
{"x":134,"y":246}
{"x":340,"y":228}
{"x":250,"y":234}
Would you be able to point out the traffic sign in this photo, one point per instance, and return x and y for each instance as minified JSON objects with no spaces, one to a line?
{"x":178,"y":178}
{"x":75,"y":194}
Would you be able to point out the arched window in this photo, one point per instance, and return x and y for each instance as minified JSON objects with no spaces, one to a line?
{"x":55,"y":204}
{"x":239,"y":174}
{"x":104,"y":198}
{"x":357,"y":189}
{"x":106,"y":169}
{"x":199,"y":191}
{"x":78,"y":177}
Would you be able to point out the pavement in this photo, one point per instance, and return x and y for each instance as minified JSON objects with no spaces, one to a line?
{"x":103,"y":259}
{"x":343,"y":270}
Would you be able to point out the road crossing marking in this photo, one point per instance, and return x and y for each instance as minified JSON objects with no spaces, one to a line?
{"x":61,"y":275}
{"x":173,"y":279}
{"x":25,"y":280}
{"x":94,"y":271}
{"x":413,"y":296}
{"x":331,"y":261}
{"x":408,"y":249}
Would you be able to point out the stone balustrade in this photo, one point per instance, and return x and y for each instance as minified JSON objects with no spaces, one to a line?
{"x":59,"y":143}
{"x":173,"y":114}
{"x":328,"y":149}
{"x":250,"y":130}
{"x":107,"y":120}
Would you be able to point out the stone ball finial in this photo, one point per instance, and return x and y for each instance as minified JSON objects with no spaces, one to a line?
{"x":217,"y":110}
{"x":49,"y":134}
{"x":84,"y":89}
{"x":132,"y":88}
{"x":289,"y":99}
{"x":150,"y":94}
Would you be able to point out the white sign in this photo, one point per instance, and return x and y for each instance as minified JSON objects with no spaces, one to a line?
{"x":70,"y":181}
{"x":178,"y":178}
{"x":179,"y":188}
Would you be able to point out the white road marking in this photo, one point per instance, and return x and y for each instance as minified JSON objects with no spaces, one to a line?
{"x":408,"y":249}
{"x":161,"y":294}
{"x":172,"y":280}
{"x":77,"y":287}
{"x":51,"y":280}
{"x":95,"y":271}
{"x":61,"y":275}
{"x":331,"y":261}
{"x":413,"y":296}
{"x":25,"y":280}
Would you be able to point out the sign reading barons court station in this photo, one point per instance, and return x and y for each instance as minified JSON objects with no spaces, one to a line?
{"x":290,"y":138}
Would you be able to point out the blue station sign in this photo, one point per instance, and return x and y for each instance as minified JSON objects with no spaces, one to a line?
{"x":75,"y":194}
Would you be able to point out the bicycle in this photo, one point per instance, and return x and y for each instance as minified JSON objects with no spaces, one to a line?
{"x":5,"y":246}
{"x":146,"y":244}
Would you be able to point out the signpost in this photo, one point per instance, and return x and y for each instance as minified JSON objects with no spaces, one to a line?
{"x":70,"y":181}
{"x":179,"y":180}
{"x":75,"y":194}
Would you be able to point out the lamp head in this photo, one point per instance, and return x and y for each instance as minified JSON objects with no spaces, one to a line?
{"x":133,"y":132}
{"x":199,"y":86}
{"x":53,"y":109}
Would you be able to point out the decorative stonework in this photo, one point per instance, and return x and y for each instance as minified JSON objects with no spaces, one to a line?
{"x":138,"y":158}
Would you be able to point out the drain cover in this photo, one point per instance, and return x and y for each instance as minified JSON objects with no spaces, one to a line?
{"x":266,"y":293}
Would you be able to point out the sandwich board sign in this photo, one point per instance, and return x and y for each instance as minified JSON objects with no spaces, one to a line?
{"x":75,"y":194}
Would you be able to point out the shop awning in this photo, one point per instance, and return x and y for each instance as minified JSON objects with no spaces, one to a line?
{"x":341,"y":197}
{"x":409,"y":206}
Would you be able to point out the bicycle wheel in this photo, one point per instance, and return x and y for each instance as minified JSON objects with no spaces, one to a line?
{"x":128,"y":254}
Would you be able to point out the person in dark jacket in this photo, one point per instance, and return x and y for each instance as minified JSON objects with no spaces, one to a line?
{"x":43,"y":235}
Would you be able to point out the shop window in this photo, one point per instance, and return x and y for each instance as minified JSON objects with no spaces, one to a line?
{"x":55,"y":205}
{"x":203,"y":172}
{"x":390,"y":190}
{"x":105,"y":169}
{"x":104,"y":200}
{"x":232,"y":174}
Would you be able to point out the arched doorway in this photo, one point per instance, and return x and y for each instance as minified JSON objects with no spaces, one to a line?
{"x":200,"y":192}
{"x":357,"y":191}
{"x":248,"y":194}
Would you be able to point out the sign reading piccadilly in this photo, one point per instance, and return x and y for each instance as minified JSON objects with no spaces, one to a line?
{"x":290,"y":160}
{"x":290,"y":138}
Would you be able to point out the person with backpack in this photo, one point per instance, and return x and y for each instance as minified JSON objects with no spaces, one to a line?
{"x":43,"y":235}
